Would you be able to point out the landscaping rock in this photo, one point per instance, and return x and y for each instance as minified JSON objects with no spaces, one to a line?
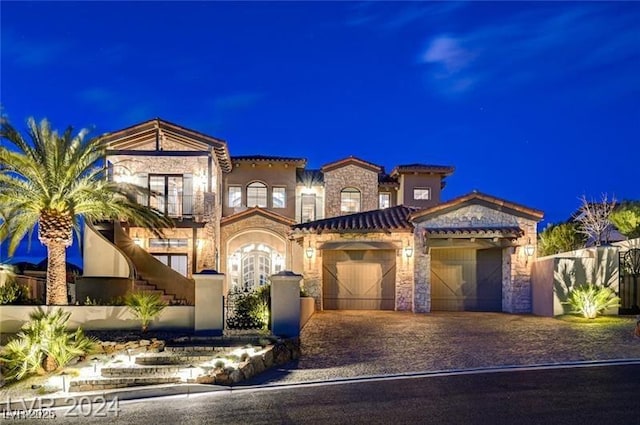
{"x":247,"y":370}
{"x":236,"y":376}
{"x":267,"y":357}
{"x":258,"y":364}
{"x":281,"y":354}
{"x":206,"y":379}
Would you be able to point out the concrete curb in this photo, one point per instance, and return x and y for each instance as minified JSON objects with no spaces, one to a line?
{"x":186,"y":390}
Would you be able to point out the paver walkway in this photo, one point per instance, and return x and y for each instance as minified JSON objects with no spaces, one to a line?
{"x":343,"y":344}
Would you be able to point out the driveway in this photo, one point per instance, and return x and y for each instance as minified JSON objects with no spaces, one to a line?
{"x":345,"y":344}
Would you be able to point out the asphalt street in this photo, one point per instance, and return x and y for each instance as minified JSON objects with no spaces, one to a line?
{"x":579,"y":395}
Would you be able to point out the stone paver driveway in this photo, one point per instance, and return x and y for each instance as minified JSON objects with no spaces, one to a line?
{"x":345,"y":344}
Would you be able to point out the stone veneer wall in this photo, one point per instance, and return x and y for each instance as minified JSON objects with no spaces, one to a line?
{"x":516,"y":267}
{"x":313,"y":271}
{"x":366,"y":181}
{"x":254,"y":222}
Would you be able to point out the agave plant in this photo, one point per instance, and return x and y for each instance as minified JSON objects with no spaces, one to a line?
{"x":44,"y":344}
{"x":145,"y":306}
{"x":591,"y":300}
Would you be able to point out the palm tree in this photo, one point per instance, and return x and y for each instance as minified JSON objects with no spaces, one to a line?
{"x":53,"y":181}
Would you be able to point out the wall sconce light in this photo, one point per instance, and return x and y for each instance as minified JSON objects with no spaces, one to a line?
{"x":528,"y":251}
{"x":200,"y":243}
{"x":138,"y":240}
{"x":309,"y":251}
{"x":408,"y":251}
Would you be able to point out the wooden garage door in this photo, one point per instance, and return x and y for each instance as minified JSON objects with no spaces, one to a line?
{"x":359,"y":280}
{"x":465,"y":279}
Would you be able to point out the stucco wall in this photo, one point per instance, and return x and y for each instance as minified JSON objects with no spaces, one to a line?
{"x":366,"y":181}
{"x":101,"y":317}
{"x":102,"y":258}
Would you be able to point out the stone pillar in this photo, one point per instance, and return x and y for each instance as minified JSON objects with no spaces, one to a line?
{"x":285,"y":304}
{"x":209,"y":308}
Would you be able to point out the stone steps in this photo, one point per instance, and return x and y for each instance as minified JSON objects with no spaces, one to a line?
{"x":120,"y":382}
{"x":153,"y":360}
{"x":191,"y":350}
{"x":144,"y":371}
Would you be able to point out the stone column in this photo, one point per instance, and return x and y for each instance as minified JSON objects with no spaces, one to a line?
{"x":209,"y":309}
{"x":285,"y":304}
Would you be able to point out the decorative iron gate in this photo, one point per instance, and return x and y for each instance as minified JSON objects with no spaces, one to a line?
{"x":629,"y":272}
{"x":247,"y":310}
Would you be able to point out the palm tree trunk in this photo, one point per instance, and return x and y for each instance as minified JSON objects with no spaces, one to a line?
{"x":56,"y":273}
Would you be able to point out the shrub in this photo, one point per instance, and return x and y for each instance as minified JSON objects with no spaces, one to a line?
{"x":13,"y":292}
{"x":626,"y":218}
{"x":591,"y":300}
{"x":560,"y":238}
{"x":145,"y":306}
{"x":44,"y":344}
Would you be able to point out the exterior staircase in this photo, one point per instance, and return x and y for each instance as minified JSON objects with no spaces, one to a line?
{"x":144,"y":286}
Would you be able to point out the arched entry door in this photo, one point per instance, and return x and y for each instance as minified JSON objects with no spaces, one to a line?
{"x":252,"y":264}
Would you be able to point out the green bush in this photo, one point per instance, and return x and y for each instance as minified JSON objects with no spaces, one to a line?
{"x":557,"y":238}
{"x":44,"y":344}
{"x":591,"y":300}
{"x":13,"y":293}
{"x":626,"y":218}
{"x":145,"y":306}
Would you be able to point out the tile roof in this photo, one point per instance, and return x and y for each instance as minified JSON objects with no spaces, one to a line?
{"x":505,"y":231}
{"x":352,"y":160}
{"x":269,"y":158}
{"x":387,"y":180}
{"x":479,"y":197}
{"x":388,"y":219}
{"x":422,"y":168}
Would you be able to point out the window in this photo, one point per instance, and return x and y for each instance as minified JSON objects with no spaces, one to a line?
{"x":168,"y":243}
{"x":257,"y":195}
{"x":235,"y":196}
{"x":350,"y":200}
{"x":279,"y":197}
{"x":384,"y":200}
{"x":171,"y":194}
{"x":177,"y":262}
{"x":308,"y":207}
{"x":422,"y":194}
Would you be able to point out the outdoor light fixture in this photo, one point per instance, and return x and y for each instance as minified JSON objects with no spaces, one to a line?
{"x":529,"y":249}
{"x":309,"y":251}
{"x":64,"y":381}
{"x":408,"y":251}
{"x":138,"y":240}
{"x":95,"y":364}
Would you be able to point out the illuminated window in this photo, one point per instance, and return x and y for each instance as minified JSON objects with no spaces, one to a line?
{"x":350,"y":200}
{"x":235,"y":196}
{"x":257,"y":195}
{"x":279,"y":197}
{"x":171,"y":194}
{"x":422,"y":194}
{"x":308,"y":207}
{"x":384,"y":200}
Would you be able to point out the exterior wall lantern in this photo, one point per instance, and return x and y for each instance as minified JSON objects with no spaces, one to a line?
{"x":528,"y":251}
{"x":309,"y":251}
{"x":408,"y":251}
{"x":138,"y":240}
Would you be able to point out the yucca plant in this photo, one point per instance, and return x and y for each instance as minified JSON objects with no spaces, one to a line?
{"x":145,"y":306}
{"x":44,"y":345}
{"x":591,"y":300}
{"x":51,"y":180}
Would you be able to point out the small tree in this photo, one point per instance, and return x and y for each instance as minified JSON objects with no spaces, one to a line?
{"x":593,"y":218}
{"x":146,"y":306}
{"x":557,"y":238}
{"x":626,"y":218}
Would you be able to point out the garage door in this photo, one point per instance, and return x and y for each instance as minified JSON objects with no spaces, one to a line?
{"x":359,"y":280}
{"x":466,"y":279}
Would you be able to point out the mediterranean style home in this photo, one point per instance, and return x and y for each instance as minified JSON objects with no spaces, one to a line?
{"x":360,"y":237}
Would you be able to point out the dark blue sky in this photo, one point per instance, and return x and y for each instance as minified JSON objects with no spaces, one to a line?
{"x":538,"y":103}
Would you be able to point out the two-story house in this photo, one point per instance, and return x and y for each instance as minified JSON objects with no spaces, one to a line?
{"x":362,"y":238}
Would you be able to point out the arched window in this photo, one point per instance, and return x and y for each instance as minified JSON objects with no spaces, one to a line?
{"x":350,"y":199}
{"x":256,"y":195}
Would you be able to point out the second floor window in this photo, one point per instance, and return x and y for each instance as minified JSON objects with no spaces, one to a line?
{"x":421,"y":193}
{"x":171,"y":194}
{"x":350,"y":200}
{"x":235,"y":196}
{"x":279,"y":197}
{"x":257,"y":195}
{"x":384,"y":200}
{"x":308,"y":207}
